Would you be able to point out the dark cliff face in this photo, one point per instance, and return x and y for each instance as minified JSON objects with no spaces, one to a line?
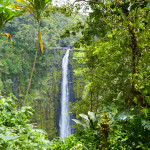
{"x":47,"y":107}
{"x":71,"y":92}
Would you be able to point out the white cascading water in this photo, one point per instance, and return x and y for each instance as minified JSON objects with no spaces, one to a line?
{"x":64,"y":123}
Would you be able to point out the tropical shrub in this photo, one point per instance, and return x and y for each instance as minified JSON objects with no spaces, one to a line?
{"x":95,"y":134}
{"x":15,"y":130}
{"x":131,"y":130}
{"x":128,"y":130}
{"x":69,"y":143}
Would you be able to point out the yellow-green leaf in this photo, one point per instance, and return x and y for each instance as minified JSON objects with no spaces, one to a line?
{"x":27,"y":5}
{"x":18,"y":7}
{"x":20,"y":1}
{"x":40,"y":42}
{"x":21,"y":7}
{"x":8,"y":36}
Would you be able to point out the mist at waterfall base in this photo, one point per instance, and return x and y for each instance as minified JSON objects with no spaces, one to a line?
{"x":64,"y":122}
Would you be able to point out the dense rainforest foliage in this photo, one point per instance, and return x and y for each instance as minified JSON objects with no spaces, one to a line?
{"x":16,"y":64}
{"x":113,"y":66}
{"x":115,"y":107}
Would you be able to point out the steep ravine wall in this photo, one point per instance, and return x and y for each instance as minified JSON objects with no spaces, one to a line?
{"x":45,"y":99}
{"x":47,"y":112}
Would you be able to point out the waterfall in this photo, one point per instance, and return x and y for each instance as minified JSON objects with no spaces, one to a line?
{"x":64,"y":123}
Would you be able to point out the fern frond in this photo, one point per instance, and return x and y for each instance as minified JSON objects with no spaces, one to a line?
{"x":125,"y":115}
{"x":146,"y":124}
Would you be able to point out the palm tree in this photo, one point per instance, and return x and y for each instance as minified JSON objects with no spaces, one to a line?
{"x":36,"y":8}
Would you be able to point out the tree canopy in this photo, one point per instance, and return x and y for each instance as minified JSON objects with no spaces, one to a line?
{"x":110,"y":72}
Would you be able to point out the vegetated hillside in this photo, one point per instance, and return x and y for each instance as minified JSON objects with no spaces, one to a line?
{"x":16,"y":64}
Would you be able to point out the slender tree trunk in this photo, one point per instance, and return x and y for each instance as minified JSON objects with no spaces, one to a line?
{"x":91,"y":99}
{"x":33,"y":65}
{"x":91,"y":90}
{"x":134,"y":52}
{"x":97,"y":102}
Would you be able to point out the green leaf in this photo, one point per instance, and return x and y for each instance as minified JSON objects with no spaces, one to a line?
{"x":79,"y":122}
{"x":12,"y":5}
{"x":6,"y":3}
{"x":120,"y":96}
{"x":1,"y":8}
{"x":84,"y":116}
{"x":92,"y":116}
{"x":146,"y":124}
{"x":148,"y":6}
{"x":114,"y":9}
{"x":8,"y":137}
{"x":38,"y":130}
{"x":1,"y":2}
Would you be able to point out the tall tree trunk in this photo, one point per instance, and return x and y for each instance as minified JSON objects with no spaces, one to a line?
{"x":134,"y":48}
{"x":33,"y":65}
{"x":135,"y":54}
